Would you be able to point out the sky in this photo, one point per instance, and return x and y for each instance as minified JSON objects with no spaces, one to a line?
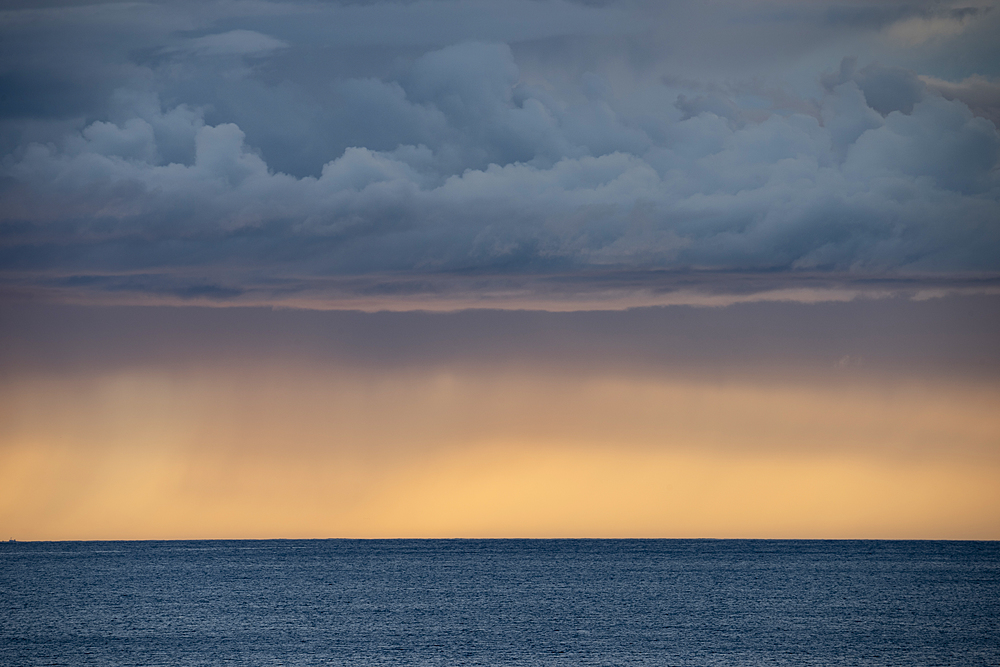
{"x":472,"y":268}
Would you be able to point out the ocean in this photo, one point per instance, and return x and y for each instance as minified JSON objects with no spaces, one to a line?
{"x":500,"y":602}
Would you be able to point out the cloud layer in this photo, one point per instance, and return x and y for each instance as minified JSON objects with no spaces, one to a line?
{"x":867,"y":419}
{"x":260,"y":154}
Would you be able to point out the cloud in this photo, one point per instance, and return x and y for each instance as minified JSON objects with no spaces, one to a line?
{"x":229,"y":413}
{"x":232,"y":43}
{"x":405,"y":180}
{"x":920,"y":29}
{"x":886,"y":89}
{"x":980,"y":94}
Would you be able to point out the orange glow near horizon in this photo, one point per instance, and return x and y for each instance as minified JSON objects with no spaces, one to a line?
{"x":293,"y":452}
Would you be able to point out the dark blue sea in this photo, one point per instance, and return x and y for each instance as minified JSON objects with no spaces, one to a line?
{"x":500,"y":602}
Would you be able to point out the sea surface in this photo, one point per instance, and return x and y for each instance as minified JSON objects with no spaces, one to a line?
{"x":500,"y":602}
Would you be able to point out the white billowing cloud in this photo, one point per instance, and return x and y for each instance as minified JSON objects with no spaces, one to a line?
{"x":941,"y":141}
{"x":221,"y":154}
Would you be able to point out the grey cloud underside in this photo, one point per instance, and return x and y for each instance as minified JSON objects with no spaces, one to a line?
{"x":228,"y":153}
{"x":952,"y":339}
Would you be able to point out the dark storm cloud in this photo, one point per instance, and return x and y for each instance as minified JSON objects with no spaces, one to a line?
{"x":279,"y":151}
